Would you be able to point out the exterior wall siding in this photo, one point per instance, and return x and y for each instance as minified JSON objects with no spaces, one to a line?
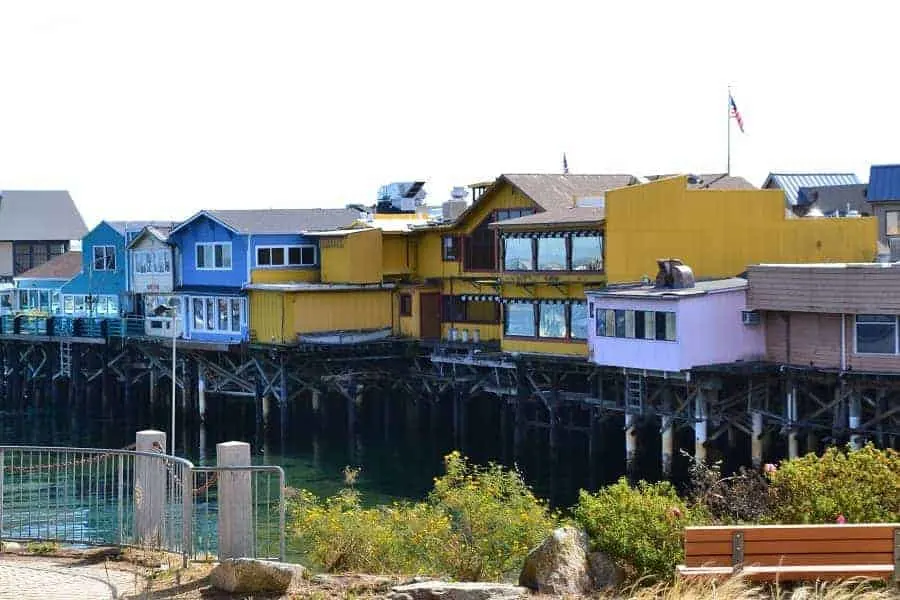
{"x":101,"y":282}
{"x":201,"y":230}
{"x":869,"y":288}
{"x":537,"y":346}
{"x":301,"y":275}
{"x":396,"y":254}
{"x":353,"y":258}
{"x":430,"y":263}
{"x":719,"y":232}
{"x":154,"y":283}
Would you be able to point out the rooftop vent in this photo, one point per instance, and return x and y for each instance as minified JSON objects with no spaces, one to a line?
{"x":673,"y":274}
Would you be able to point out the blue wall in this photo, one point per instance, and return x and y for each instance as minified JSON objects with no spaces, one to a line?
{"x":112,"y":283}
{"x":203,"y":229}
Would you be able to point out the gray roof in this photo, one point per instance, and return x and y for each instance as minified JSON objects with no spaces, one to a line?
{"x":286,"y":220}
{"x":834,"y":198}
{"x":790,"y":183}
{"x":651,"y":291}
{"x":711,"y":181}
{"x":33,"y":215}
{"x":123,"y":226}
{"x":555,"y":191}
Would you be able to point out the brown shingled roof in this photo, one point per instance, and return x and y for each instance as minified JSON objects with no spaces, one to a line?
{"x":64,"y":266}
{"x":553,"y":191}
{"x":572,"y":215}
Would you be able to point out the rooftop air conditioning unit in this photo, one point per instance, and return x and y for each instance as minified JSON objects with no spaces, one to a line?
{"x":750,"y":317}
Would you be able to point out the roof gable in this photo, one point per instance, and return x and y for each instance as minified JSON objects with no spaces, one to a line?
{"x":161,"y":234}
{"x":33,"y":215}
{"x":278,"y":221}
{"x":790,"y":183}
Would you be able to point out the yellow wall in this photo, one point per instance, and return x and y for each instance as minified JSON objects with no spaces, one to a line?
{"x":574,"y":348}
{"x":284,"y":275}
{"x":430,"y":256}
{"x":719,"y":232}
{"x":410,"y":326}
{"x":352,"y":258}
{"x":487,"y":332}
{"x":396,"y":254}
{"x":279,"y":317}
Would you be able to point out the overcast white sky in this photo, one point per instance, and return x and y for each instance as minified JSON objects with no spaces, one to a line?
{"x":159,"y":109}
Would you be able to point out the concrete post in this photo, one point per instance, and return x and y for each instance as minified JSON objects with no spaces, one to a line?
{"x":631,"y":442}
{"x":701,"y":416}
{"x":668,"y":444}
{"x":854,"y":419}
{"x":235,"y":507}
{"x":791,"y":401}
{"x":149,"y":488}
{"x":266,"y":411}
{"x":201,"y":391}
{"x":756,"y":442}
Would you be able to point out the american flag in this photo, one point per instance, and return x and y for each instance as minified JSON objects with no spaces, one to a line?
{"x":735,"y":113}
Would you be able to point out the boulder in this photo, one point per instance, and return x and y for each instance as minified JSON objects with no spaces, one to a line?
{"x":604,"y":571}
{"x":249,"y":575}
{"x":467,"y":590}
{"x":11,"y":547}
{"x":559,"y":565}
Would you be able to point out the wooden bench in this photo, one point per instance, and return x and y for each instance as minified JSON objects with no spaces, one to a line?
{"x":794,"y":552}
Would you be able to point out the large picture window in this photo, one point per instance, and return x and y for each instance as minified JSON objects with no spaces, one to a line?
{"x":286,"y":256}
{"x":152,"y":261}
{"x":520,"y":319}
{"x":587,"y":253}
{"x":217,"y":314}
{"x":552,"y":320}
{"x":215,"y":255}
{"x":551,"y":254}
{"x":104,"y":258}
{"x":892,"y":222}
{"x":101,"y":305}
{"x":579,"y":319}
{"x":876,"y":334}
{"x":518,"y":254}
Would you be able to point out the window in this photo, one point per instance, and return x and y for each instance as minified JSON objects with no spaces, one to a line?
{"x":587,"y":253}
{"x":285,"y":256}
{"x":453,"y":309}
{"x":876,"y":334}
{"x":635,"y":324}
{"x":27,"y":255}
{"x":892,"y":222}
{"x":640,"y":323}
{"x":84,"y":305}
{"x":450,"y":247}
{"x":620,"y":323}
{"x":552,"y":320}
{"x":579,"y":317}
{"x":217,"y":314}
{"x":459,"y":309}
{"x":405,"y":305}
{"x":520,"y":319}
{"x":68,"y":304}
{"x":104,"y":258}
{"x":513,"y":213}
{"x":152,"y":261}
{"x":518,"y":254}
{"x":551,"y":254}
{"x":214,"y":255}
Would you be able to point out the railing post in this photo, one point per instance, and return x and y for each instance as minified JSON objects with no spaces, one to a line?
{"x":187,"y":514}
{"x":235,"y":508}
{"x":2,"y":471}
{"x":149,"y":488}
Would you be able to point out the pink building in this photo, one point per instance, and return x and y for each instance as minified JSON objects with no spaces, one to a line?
{"x":673,"y":325}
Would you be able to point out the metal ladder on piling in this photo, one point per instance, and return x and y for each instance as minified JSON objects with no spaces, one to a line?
{"x":634,"y":394}
{"x":65,"y":359}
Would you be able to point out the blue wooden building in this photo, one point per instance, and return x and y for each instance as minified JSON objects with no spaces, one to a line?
{"x":219,"y":249}
{"x":37,"y":291}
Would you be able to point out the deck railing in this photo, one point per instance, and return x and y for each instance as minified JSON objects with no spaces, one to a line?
{"x":144,"y":499}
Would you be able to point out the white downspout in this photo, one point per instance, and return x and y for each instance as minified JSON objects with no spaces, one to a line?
{"x":843,"y":342}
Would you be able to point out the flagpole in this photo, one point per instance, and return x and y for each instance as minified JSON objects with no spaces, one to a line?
{"x":728,"y":129}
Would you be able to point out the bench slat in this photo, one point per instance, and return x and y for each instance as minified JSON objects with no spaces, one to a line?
{"x":789,"y":573}
{"x":791,"y":532}
{"x":790,"y":547}
{"x":797,"y":560}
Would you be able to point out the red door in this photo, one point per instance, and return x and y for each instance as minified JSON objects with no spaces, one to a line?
{"x":430,"y":316}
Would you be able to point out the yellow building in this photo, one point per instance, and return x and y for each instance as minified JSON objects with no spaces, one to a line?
{"x":513,"y":267}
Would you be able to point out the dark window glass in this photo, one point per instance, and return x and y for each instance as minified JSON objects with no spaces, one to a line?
{"x":405,"y":305}
{"x":294,"y":255}
{"x":308,"y":255}
{"x":219,"y":255}
{"x":201,"y":255}
{"x":639,"y":324}
{"x":620,"y":323}
{"x":263,"y":257}
{"x":453,"y":309}
{"x":876,"y":334}
{"x":277,"y":257}
{"x":661,"y":326}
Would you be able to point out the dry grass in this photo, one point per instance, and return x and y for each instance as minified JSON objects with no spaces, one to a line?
{"x":739,"y":589}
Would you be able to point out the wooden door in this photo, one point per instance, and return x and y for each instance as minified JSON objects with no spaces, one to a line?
{"x":430,"y":316}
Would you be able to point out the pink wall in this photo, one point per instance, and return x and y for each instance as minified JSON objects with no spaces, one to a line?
{"x":708,"y":331}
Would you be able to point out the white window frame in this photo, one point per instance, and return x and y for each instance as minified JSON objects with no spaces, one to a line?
{"x":286,"y":249}
{"x":67,"y":303}
{"x":856,"y":336}
{"x":139,"y":258}
{"x":214,"y":301}
{"x":213,"y":245}
{"x":108,"y":251}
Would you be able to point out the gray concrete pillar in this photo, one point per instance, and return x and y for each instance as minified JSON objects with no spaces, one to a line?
{"x":235,"y":501}
{"x":756,"y":441}
{"x":854,"y":419}
{"x":668,"y":444}
{"x":791,"y":408}
{"x":701,"y":421}
{"x":201,"y":392}
{"x":149,"y":488}
{"x":631,"y":444}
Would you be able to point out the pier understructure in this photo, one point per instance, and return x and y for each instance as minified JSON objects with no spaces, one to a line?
{"x":757,"y":412}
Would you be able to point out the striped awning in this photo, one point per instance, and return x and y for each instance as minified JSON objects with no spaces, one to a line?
{"x":542,"y":301}
{"x":550,"y":234}
{"x":480,"y":298}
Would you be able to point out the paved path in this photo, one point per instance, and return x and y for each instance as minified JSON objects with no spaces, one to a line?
{"x":39,"y":578}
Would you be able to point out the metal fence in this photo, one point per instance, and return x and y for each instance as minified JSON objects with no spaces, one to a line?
{"x":131,"y":498}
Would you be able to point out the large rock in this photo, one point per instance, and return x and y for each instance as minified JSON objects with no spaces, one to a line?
{"x":559,"y":565}
{"x":248,"y":575}
{"x":604,"y":571}
{"x":443,"y":590}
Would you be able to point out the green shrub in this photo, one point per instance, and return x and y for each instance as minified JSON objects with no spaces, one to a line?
{"x":862,"y":485}
{"x":478,"y":523}
{"x":642,"y":526}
